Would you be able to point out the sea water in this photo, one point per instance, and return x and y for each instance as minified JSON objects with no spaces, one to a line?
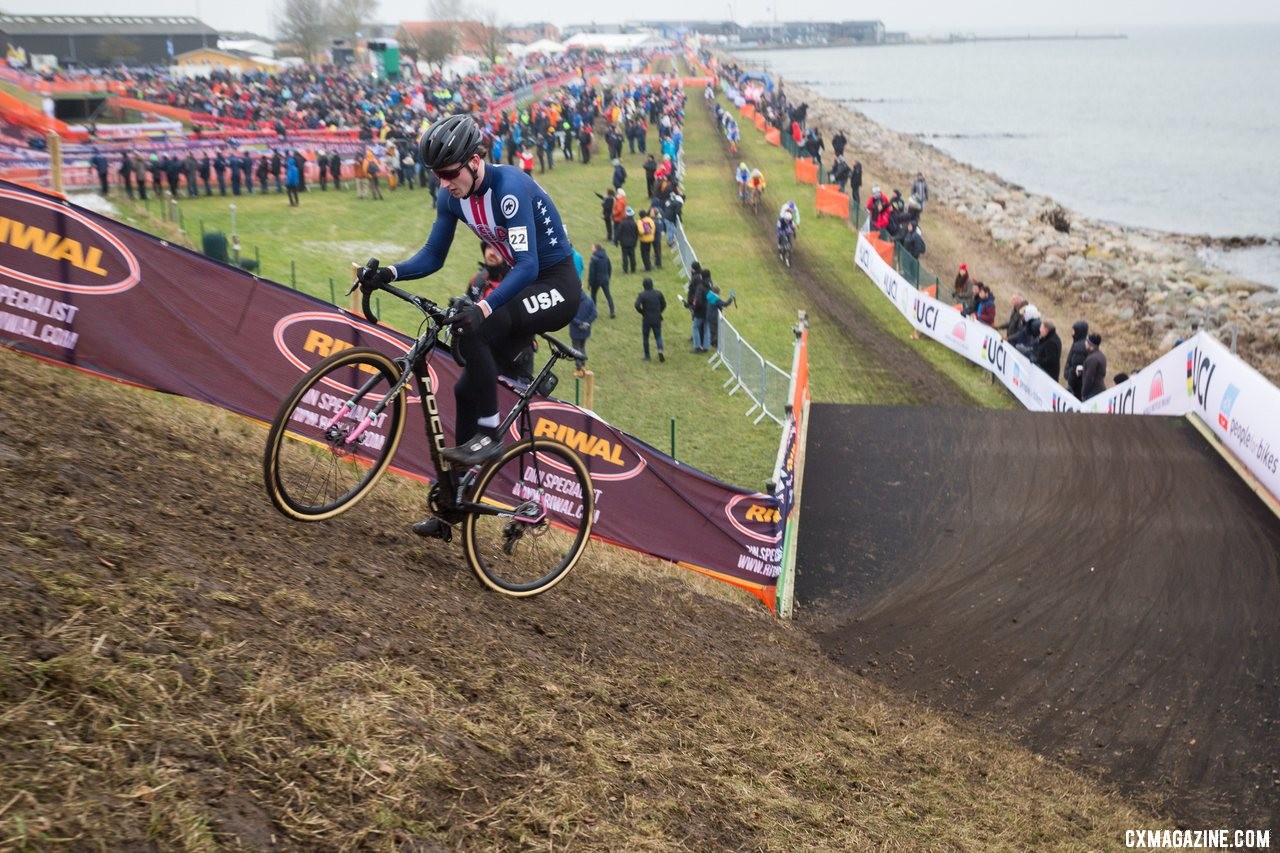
{"x":1173,"y":128}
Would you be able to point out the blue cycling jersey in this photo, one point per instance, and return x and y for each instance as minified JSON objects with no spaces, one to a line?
{"x":508,"y":211}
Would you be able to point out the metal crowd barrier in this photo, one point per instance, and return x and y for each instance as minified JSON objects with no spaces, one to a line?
{"x":761,"y":380}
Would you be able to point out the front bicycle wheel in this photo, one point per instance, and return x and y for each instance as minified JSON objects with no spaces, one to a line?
{"x":540,"y":507}
{"x":327,"y":448}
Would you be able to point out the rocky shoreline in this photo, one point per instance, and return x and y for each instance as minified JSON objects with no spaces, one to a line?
{"x":1151,"y":283}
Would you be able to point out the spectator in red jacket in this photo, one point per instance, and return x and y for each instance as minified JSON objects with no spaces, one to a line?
{"x":879,"y":209}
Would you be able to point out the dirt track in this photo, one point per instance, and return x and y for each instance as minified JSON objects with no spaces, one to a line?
{"x":1106,"y":587}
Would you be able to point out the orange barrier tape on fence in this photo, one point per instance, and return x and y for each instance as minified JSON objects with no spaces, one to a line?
{"x":884,"y":248}
{"x":747,"y":110}
{"x":806,"y":171}
{"x":772,"y":136}
{"x":931,"y":290}
{"x":831,"y":201}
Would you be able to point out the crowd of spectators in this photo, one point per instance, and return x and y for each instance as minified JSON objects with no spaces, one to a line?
{"x":899,"y":219}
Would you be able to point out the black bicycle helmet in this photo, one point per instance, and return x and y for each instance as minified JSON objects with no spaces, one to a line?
{"x":452,"y":139}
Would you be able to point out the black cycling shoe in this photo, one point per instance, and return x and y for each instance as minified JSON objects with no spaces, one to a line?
{"x":434,"y":528}
{"x":480,"y":449}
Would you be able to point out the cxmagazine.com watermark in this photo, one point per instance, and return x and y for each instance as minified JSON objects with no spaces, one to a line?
{"x":1198,"y":839}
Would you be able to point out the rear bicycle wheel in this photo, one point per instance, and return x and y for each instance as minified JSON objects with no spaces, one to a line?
{"x":312,"y":467}
{"x":543,"y":493}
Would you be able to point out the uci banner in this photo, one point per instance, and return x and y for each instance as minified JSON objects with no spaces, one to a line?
{"x":1232,"y":398}
{"x":83,"y":290}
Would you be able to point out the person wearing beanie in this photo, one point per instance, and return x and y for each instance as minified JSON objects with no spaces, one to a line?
{"x":627,"y":233}
{"x":650,"y":305}
{"x":1074,"y":371}
{"x":962,"y":291}
{"x":1093,"y":373}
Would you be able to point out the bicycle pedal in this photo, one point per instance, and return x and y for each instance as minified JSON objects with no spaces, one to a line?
{"x":434,"y":528}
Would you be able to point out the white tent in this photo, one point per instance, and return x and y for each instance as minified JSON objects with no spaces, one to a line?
{"x":544,"y":46}
{"x":615,"y":42}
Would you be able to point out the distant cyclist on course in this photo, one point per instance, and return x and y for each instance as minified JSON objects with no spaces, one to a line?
{"x":742,"y":175}
{"x":509,"y":212}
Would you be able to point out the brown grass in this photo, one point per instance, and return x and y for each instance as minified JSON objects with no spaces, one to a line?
{"x":182,"y":668}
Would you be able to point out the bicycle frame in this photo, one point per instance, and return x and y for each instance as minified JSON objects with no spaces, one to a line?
{"x":452,"y":485}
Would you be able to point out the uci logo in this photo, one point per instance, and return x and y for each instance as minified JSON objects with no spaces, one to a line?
{"x":509,"y":206}
{"x":1061,"y":404}
{"x":1122,"y":403}
{"x":926,"y":314}
{"x":890,"y":285}
{"x":1200,"y":370}
{"x":994,"y":349}
{"x":864,"y":257}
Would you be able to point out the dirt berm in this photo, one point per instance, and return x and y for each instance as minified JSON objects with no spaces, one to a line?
{"x":1106,"y":588}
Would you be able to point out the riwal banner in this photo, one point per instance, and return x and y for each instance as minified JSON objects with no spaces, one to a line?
{"x":83,"y":290}
{"x":1241,"y":406}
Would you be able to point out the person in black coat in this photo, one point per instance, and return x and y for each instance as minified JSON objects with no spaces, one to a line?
{"x":1048,"y":351}
{"x":628,"y":233}
{"x":1076,"y":356}
{"x":650,"y":304}
{"x":220,"y":169}
{"x":1093,"y":373}
{"x":126,"y":172}
{"x":335,"y":169}
{"x":599,"y":274}
{"x":203,"y":170}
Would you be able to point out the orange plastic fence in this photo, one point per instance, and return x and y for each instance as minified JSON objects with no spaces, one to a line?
{"x":773,"y":136}
{"x":931,"y":290}
{"x":747,"y":110}
{"x":806,"y":171}
{"x":831,"y":201}
{"x":21,"y":113}
{"x":883,"y":248}
{"x":761,"y":124}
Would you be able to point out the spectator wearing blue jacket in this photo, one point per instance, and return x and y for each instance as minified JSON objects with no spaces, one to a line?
{"x":580,"y":329}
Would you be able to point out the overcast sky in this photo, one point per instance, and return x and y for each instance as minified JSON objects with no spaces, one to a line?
{"x":922,"y":16}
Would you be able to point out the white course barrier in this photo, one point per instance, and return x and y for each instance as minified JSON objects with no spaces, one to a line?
{"x":1198,"y":377}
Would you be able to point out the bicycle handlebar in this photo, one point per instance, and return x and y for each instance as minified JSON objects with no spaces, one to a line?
{"x":368,"y":284}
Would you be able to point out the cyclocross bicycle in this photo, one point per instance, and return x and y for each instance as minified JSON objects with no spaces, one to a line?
{"x":338,"y":429}
{"x":784,"y":247}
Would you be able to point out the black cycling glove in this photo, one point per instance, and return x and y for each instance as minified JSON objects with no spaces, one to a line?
{"x":373,"y":279}
{"x":467,"y":318}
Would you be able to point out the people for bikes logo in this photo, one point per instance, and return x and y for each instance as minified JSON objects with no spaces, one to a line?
{"x":47,"y":244}
{"x":307,"y":337}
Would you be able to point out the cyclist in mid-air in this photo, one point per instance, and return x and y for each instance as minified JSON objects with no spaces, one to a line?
{"x":509,"y":212}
